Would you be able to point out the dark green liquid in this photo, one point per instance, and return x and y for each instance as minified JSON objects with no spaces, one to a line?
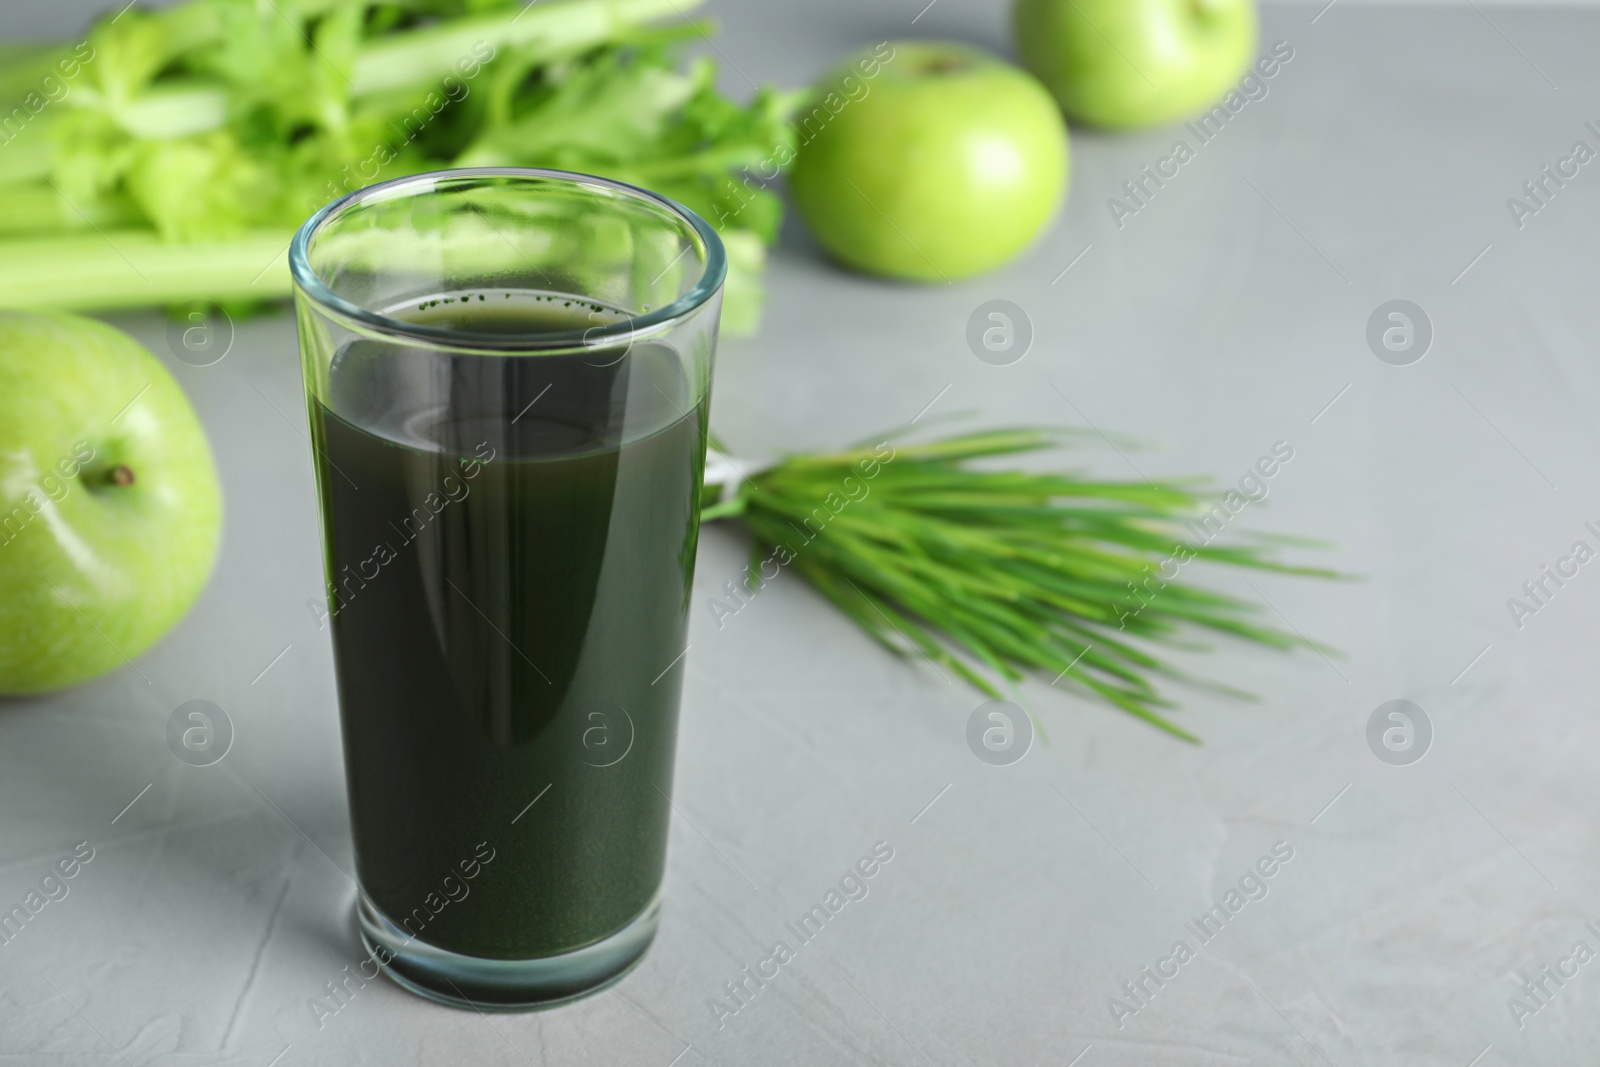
{"x":537,"y":521}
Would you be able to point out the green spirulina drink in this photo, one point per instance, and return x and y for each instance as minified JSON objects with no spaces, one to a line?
{"x":509,"y":578}
{"x":507,"y":377}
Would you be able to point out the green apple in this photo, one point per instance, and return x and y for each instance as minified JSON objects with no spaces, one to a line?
{"x":1126,"y":63}
{"x":928,"y":160}
{"x":110,"y":513}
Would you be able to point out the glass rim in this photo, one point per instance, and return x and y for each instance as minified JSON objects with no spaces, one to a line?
{"x":626,"y":330}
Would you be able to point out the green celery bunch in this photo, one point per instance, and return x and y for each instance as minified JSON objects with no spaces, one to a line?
{"x":214,"y":127}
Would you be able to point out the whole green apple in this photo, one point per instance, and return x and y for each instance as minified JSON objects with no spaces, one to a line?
{"x":110,"y":513}
{"x":928,"y":160}
{"x":1129,"y":63}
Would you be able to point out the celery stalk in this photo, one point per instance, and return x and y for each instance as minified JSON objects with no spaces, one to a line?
{"x":426,"y":54}
{"x":36,"y":209}
{"x":199,"y":134}
{"x":174,"y":109}
{"x":112,"y":269}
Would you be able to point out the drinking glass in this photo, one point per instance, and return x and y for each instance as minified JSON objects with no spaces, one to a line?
{"x":508,"y":374}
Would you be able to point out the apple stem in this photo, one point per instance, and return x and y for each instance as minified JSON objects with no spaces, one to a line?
{"x":122,"y":474}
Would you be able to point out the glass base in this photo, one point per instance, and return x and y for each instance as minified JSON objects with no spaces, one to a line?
{"x":504,"y":985}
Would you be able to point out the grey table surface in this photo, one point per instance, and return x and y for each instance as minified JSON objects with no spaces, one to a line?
{"x":1229,"y":313}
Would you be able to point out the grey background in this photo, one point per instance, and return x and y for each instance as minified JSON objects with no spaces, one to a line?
{"x":1225,"y":316}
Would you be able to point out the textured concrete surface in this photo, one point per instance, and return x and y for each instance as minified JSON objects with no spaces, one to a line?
{"x":1227,"y":313}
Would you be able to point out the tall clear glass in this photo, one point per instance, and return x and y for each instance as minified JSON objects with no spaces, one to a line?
{"x":508,"y":374}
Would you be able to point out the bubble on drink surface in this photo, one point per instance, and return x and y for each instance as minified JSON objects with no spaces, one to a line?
{"x":1399,"y":732}
{"x":1399,"y":333}
{"x":199,"y":733}
{"x":999,"y":733}
{"x":199,"y":334}
{"x":999,"y":332}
